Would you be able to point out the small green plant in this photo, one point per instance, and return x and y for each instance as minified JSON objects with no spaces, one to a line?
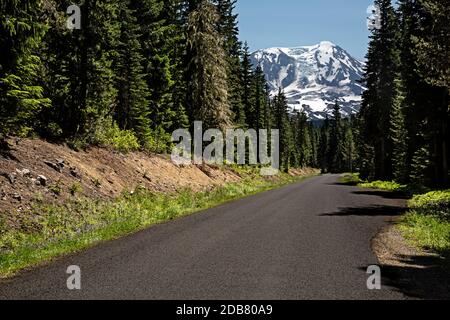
{"x":55,"y":188}
{"x":97,"y":183}
{"x":76,"y":188}
{"x":39,"y":198}
{"x":158,"y":141}
{"x":121,"y":140}
{"x":435,"y":203}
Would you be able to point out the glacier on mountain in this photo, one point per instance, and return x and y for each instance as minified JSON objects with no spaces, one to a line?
{"x":314,"y":78}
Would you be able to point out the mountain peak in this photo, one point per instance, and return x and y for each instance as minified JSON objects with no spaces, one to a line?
{"x":326,"y":45}
{"x":314,"y":77}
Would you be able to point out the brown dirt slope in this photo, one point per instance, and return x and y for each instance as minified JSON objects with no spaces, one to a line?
{"x":35,"y":170}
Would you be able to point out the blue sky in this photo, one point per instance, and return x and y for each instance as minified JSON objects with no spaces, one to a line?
{"x":286,"y":23}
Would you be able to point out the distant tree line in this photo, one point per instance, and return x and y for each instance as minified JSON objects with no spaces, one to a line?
{"x":403,"y":123}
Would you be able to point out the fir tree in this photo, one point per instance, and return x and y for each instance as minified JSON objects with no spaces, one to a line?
{"x":349,"y":146}
{"x":132,"y":111}
{"x":208,"y":85}
{"x":247,"y":76}
{"x":324,"y":145}
{"x":336,"y":146}
{"x":162,"y":44}
{"x":96,"y":93}
{"x":303,"y":139}
{"x":281,"y":123}
{"x":381,"y":67}
{"x":399,"y":136}
{"x":431,"y":52}
{"x":227,"y":27}
{"x":21,"y":96}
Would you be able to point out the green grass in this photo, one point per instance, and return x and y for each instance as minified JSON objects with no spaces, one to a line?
{"x":351,"y":179}
{"x":428,"y":222}
{"x":408,"y":190}
{"x":383,"y":185}
{"x":354,"y":179}
{"x":53,"y":231}
{"x":427,"y":231}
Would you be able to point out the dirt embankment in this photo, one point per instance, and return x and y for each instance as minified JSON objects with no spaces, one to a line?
{"x":35,"y":170}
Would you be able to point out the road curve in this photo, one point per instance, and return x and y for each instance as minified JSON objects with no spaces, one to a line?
{"x":310,"y":240}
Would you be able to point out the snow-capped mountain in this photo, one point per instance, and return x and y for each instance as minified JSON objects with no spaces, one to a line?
{"x":314,"y":77}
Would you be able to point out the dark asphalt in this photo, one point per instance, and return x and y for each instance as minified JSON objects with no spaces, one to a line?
{"x":310,"y":240}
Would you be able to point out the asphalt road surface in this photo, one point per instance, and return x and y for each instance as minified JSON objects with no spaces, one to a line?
{"x":310,"y":240}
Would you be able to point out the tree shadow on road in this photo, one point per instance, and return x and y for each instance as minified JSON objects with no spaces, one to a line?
{"x":345,"y":184}
{"x":423,"y":277}
{"x":383,"y":194}
{"x":415,"y":273}
{"x":371,"y":211}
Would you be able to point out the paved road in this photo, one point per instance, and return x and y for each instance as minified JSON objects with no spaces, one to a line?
{"x":310,"y":240}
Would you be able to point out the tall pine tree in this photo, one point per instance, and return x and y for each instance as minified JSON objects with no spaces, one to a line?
{"x":21,"y":96}
{"x":208,"y":86}
{"x":381,"y":68}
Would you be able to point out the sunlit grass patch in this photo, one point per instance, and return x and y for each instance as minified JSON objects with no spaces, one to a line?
{"x":428,"y":222}
{"x":350,"y":179}
{"x":427,"y":231}
{"x":383,"y":185}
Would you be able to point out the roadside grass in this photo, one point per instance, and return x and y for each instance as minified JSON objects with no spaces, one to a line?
{"x":383,"y":185}
{"x":405,"y":189}
{"x":350,"y":179}
{"x":52,"y":231}
{"x":427,"y":224}
{"x":428,"y":232}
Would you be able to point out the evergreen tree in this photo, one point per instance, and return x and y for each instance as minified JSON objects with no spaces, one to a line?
{"x":281,"y":123}
{"x":259,"y":99}
{"x":324,"y":145}
{"x":227,"y":27}
{"x":80,"y":78}
{"x":431,"y":52}
{"x":208,"y":85}
{"x":315,"y":140}
{"x":132,"y":111}
{"x":96,"y":93}
{"x":247,"y":76}
{"x":21,"y":96}
{"x":336,"y":147}
{"x":414,"y":93}
{"x":163,"y":44}
{"x":399,"y":136}
{"x":302,"y":139}
{"x":349,"y":146}
{"x":176,"y":49}
{"x":58,"y":53}
{"x":382,"y":63}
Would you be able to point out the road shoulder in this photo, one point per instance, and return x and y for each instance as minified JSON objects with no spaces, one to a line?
{"x":412,"y":270}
